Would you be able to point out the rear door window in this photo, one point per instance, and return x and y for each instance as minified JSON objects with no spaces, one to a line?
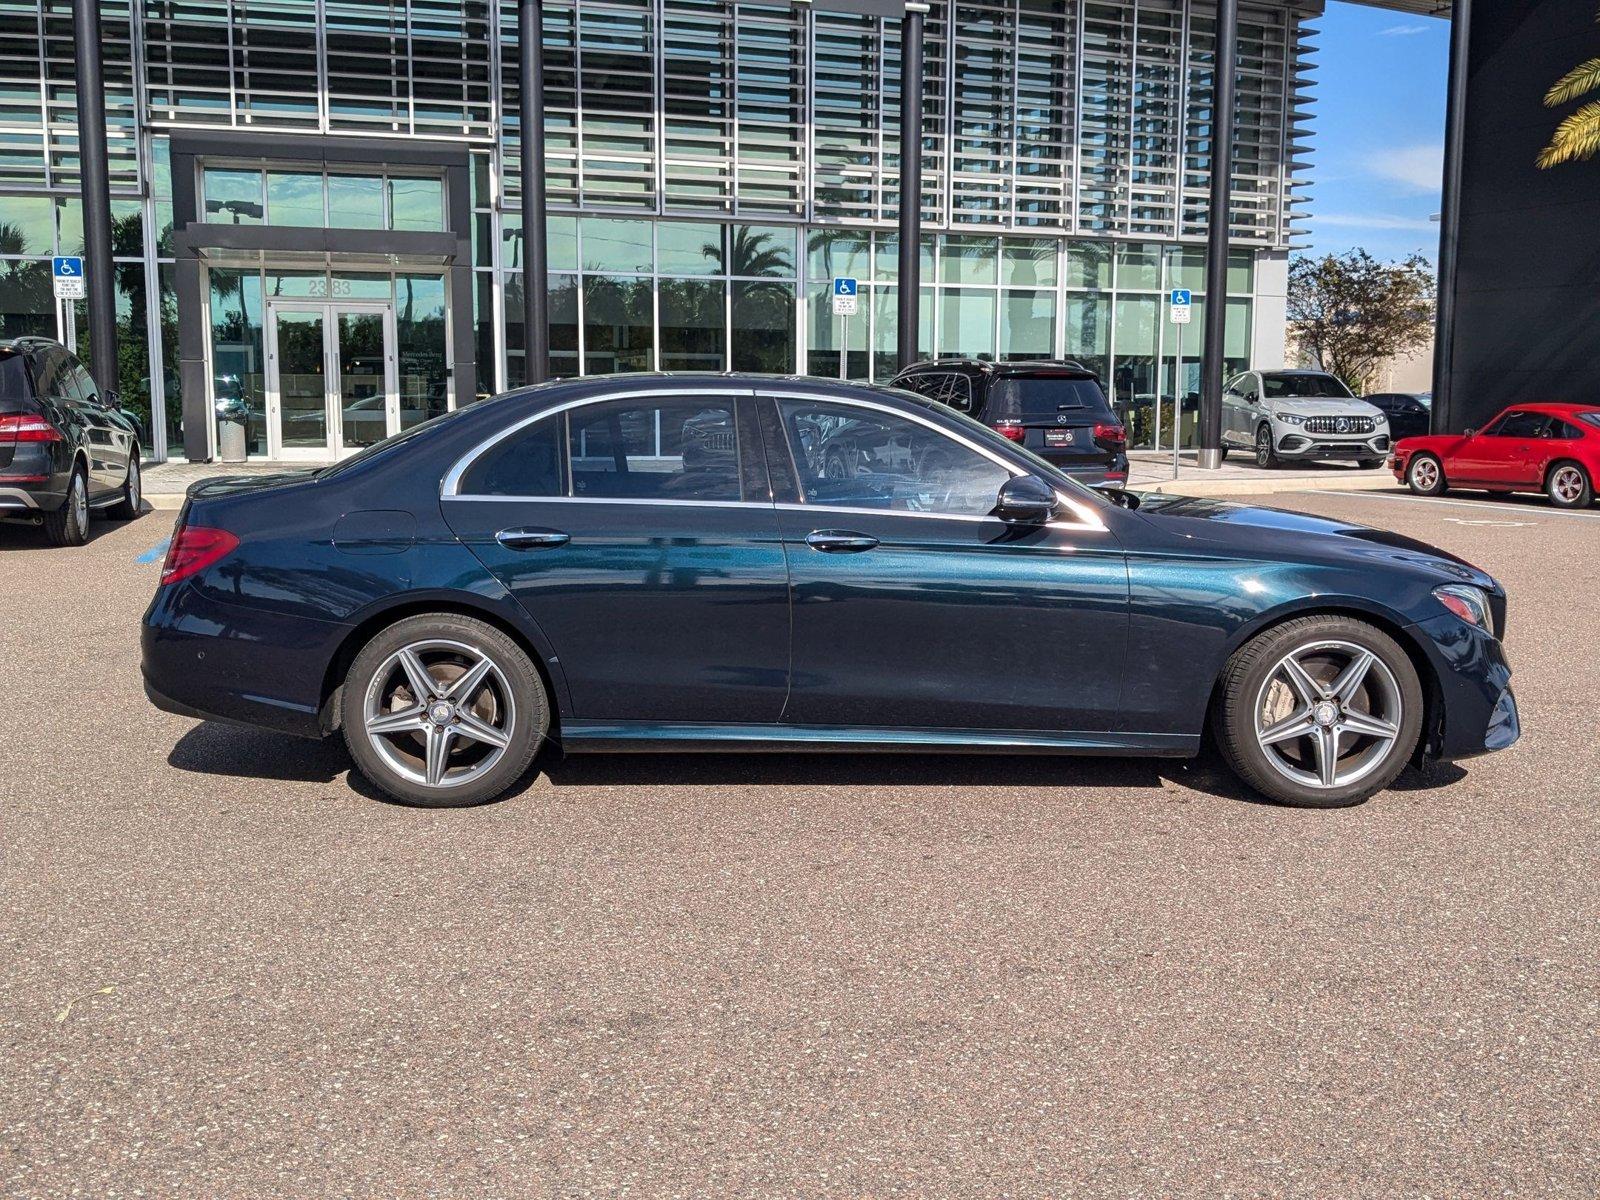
{"x":1046,"y":399}
{"x":667,"y":449}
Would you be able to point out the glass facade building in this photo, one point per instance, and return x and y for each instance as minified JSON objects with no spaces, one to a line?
{"x":316,"y":225}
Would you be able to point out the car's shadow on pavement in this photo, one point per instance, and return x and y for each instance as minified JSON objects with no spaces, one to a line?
{"x":213,"y":748}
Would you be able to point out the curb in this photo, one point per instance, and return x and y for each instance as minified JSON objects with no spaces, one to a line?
{"x":1269,"y":486}
{"x":164,"y":501}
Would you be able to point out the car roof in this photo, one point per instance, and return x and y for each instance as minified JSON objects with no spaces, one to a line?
{"x":1559,"y":407}
{"x":27,"y":341}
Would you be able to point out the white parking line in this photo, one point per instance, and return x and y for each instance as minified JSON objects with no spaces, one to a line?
{"x":1480,"y":505}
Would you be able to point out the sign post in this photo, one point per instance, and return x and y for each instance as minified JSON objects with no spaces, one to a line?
{"x":845,"y":302}
{"x":1180,"y":314}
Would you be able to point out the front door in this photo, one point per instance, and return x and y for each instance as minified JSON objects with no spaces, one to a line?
{"x":913,"y":606}
{"x":331,"y":386}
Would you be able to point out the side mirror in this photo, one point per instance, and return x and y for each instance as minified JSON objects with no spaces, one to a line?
{"x":1025,"y":500}
{"x":1469,"y":433}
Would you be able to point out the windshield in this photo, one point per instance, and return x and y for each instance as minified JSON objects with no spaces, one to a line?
{"x":1042,"y":397}
{"x":14,"y":376}
{"x":1313,"y":387}
{"x":979,"y":432}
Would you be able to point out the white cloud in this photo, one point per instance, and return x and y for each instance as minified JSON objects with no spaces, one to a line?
{"x":1373,"y":221}
{"x":1403,"y":30}
{"x":1420,"y":168}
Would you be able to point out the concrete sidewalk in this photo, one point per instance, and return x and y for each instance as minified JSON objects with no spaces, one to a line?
{"x":1149,"y":471}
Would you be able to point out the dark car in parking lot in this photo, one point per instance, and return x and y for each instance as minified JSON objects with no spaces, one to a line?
{"x":562,"y":564}
{"x":66,"y":448}
{"x":1409,"y":413}
{"x":1056,"y":409}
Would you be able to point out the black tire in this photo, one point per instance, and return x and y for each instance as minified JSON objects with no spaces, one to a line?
{"x":1568,"y":485}
{"x":1266,"y":453}
{"x":511,"y":701}
{"x":1371,"y":464}
{"x":1430,"y":480}
{"x":1371,"y":763}
{"x":1222,"y":454}
{"x":69,"y":524}
{"x":128,"y":507}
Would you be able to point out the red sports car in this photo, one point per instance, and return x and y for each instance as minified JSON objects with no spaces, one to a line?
{"x":1549,"y":448}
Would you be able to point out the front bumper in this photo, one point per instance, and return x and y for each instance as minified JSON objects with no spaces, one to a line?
{"x":1310,"y":446}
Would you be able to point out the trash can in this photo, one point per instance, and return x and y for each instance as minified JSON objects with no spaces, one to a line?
{"x":232,"y":419}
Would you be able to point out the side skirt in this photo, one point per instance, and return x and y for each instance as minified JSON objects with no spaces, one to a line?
{"x":652,"y":736}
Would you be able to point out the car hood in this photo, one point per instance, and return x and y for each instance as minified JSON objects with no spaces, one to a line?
{"x":1315,"y":406}
{"x":1291,"y":536}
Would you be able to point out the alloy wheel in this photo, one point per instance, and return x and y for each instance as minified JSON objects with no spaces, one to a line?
{"x":1425,"y":474}
{"x":1328,"y":714}
{"x":1567,"y":484}
{"x":133,"y":485}
{"x":439,"y":713}
{"x":1263,"y":447}
{"x":79,"y":500}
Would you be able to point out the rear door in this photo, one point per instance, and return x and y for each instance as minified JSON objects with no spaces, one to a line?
{"x":639,"y":534}
{"x":1058,"y":414}
{"x":915,"y":608}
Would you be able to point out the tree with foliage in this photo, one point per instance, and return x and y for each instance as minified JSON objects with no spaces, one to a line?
{"x":1578,"y":135}
{"x":1351,"y":312}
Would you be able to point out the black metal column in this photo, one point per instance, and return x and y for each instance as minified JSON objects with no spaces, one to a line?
{"x":1455,"y":125}
{"x":96,"y":189}
{"x":1216,"y":319}
{"x":535,"y":255}
{"x":910,"y":273}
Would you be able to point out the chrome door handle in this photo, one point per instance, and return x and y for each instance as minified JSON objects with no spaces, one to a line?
{"x":532,"y":539}
{"x":840,"y":541}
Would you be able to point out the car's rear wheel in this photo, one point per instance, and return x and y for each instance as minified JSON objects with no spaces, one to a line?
{"x":1425,"y":475}
{"x":443,"y":711}
{"x":127,"y":508}
{"x":1266,"y":456}
{"x":69,"y":524}
{"x":1569,"y":486}
{"x":1319,"y":712}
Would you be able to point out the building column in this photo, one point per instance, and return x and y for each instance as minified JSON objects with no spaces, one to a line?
{"x":94,"y":174}
{"x":535,"y":254}
{"x":1216,"y":317}
{"x":1455,"y":126}
{"x":909,"y":278}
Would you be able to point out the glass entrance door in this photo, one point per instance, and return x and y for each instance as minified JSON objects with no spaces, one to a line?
{"x":330,"y":378}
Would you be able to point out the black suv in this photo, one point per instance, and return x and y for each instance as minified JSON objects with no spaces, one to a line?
{"x":66,"y":448}
{"x":1055,"y":409}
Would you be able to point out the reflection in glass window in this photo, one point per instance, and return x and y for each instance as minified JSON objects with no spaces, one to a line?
{"x":29,"y":225}
{"x":834,"y":253}
{"x":762,"y":251}
{"x":1138,"y":268}
{"x":416,"y":204}
{"x":618,"y":325}
{"x":294,"y":198}
{"x":693,"y":320}
{"x":1088,"y":321}
{"x":355,"y":202}
{"x":528,"y":463}
{"x":968,"y":259}
{"x":238,"y":361}
{"x":563,"y":325}
{"x":966,"y":323}
{"x":233,"y":197}
{"x":617,"y":245}
{"x":852,"y":457}
{"x":420,"y":344}
{"x":1089,"y":265}
{"x":689,"y":249}
{"x":1027,"y":324}
{"x":763,"y":324}
{"x":1029,"y":262}
{"x":655,"y":450}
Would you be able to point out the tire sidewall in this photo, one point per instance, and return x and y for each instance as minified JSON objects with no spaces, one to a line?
{"x":1249,"y":670}
{"x":528,"y":692}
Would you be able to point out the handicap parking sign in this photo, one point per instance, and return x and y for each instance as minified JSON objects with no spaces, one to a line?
{"x":68,"y":273}
{"x":844,"y":296}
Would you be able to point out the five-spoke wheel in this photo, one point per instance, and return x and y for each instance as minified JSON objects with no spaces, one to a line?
{"x":1569,"y":487}
{"x":443,"y":710}
{"x":1320,"y":711}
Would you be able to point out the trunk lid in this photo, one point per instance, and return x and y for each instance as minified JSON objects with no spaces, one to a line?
{"x":16,"y":398}
{"x":1058,"y":413}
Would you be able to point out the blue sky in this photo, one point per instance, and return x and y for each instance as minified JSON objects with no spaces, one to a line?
{"x":1378,"y":131}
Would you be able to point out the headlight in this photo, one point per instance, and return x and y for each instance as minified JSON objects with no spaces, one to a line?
{"x":1468,"y":603}
{"x":1380,"y":421}
{"x":1291,"y":418}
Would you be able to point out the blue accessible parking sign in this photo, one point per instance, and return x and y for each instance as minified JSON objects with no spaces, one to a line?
{"x":68,"y":273}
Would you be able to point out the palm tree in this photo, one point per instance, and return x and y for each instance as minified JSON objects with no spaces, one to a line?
{"x":1578,"y":135}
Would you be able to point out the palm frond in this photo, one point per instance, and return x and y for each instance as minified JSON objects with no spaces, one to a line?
{"x":1577,"y":137}
{"x":1579,"y":81}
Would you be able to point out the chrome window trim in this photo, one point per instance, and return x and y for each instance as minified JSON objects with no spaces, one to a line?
{"x":766,"y":504}
{"x":1088,"y":520}
{"x":450,"y":489}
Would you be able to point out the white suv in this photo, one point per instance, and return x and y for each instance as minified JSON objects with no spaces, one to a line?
{"x":1301,"y":416}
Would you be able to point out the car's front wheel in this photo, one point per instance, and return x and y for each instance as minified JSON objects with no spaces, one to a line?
{"x":1569,"y":486}
{"x":443,"y":711}
{"x":1266,"y":455}
{"x":1425,"y":475}
{"x":1319,"y":712}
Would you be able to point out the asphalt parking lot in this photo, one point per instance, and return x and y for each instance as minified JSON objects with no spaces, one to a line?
{"x":229,"y":973}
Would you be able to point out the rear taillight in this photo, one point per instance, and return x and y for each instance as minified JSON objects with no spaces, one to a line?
{"x":1108,"y":433}
{"x":193,"y":549}
{"x":28,"y":427}
{"x":1011,"y":430}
